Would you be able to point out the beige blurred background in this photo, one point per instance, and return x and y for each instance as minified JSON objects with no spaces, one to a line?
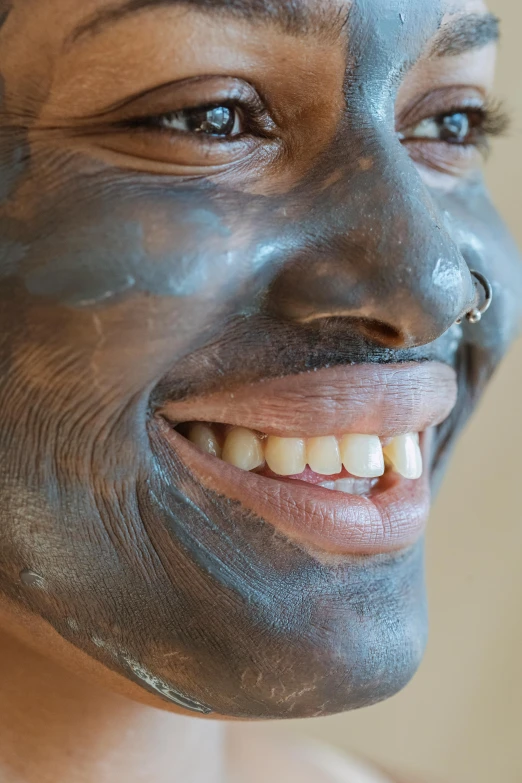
{"x":461,"y":718}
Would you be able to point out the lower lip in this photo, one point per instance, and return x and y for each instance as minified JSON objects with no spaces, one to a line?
{"x":392,"y":518}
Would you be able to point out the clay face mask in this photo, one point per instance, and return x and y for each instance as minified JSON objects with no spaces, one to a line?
{"x":235,"y":242}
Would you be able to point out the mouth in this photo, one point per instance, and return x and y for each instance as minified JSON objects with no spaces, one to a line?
{"x":339,"y":460}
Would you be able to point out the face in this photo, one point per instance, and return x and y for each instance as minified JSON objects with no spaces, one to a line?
{"x":236,"y":239}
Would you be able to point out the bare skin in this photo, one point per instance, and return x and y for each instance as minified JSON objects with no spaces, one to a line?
{"x":153,"y":260}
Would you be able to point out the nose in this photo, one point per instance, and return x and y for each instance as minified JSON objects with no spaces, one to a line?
{"x":376,"y":252}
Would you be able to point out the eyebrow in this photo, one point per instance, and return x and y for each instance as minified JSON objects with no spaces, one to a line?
{"x":472,"y":31}
{"x":465,"y":33}
{"x":293,"y":16}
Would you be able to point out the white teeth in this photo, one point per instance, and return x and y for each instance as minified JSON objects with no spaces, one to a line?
{"x":285,"y":456}
{"x":404,"y":454}
{"x":327,"y":484}
{"x":354,"y":486}
{"x":351,"y":486}
{"x":362,"y":455}
{"x":204,"y":437}
{"x":243,"y":449}
{"x":323,"y":455}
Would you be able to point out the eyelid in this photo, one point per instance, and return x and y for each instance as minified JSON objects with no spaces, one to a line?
{"x":461,"y":160}
{"x":190,"y":93}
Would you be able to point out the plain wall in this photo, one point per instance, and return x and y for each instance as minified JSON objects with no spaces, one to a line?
{"x":461,"y":717}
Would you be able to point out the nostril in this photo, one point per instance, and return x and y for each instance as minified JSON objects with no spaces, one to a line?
{"x":381,"y":333}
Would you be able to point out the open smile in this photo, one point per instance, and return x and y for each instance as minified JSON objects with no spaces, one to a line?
{"x":338,"y":459}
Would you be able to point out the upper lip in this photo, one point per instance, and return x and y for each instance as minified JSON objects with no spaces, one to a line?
{"x":370,"y":398}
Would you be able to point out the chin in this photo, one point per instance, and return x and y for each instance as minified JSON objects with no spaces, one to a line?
{"x":331,"y":649}
{"x":354,"y":652}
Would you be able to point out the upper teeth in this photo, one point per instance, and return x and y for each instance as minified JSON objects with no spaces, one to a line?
{"x":404,"y":454}
{"x":243,"y":448}
{"x":362,"y":455}
{"x":204,"y":436}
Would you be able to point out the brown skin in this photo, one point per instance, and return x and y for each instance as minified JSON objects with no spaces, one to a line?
{"x":138,"y":267}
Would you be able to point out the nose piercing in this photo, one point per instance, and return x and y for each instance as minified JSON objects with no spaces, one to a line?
{"x":475,"y":314}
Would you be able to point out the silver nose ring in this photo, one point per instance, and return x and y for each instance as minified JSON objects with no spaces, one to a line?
{"x":484,"y":301}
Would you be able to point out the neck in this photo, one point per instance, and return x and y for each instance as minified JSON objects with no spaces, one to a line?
{"x":55,"y":726}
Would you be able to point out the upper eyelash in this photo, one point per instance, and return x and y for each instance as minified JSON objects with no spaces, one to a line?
{"x":497,"y":120}
{"x":252,"y":113}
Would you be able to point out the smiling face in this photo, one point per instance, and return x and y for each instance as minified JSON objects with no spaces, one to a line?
{"x":257,"y":215}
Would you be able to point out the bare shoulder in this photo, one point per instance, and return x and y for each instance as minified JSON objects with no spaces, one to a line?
{"x":259,"y":755}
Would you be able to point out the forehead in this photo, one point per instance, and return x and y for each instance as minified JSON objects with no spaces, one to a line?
{"x":75,"y":13}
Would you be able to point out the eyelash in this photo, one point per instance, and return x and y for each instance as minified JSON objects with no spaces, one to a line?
{"x":495,"y":119}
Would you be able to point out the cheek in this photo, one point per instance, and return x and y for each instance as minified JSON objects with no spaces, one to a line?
{"x":127,"y":285}
{"x":103,"y":250}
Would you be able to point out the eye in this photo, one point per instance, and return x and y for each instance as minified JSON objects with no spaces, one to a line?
{"x":224,"y":122}
{"x":456,"y":127}
{"x":453,"y":141}
{"x":452,"y":128}
{"x":191,"y":128}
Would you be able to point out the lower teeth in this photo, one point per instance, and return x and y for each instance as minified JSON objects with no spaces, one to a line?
{"x":351,"y":486}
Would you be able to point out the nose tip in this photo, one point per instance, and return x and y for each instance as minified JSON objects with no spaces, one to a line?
{"x":389,"y":305}
{"x":435,"y":299}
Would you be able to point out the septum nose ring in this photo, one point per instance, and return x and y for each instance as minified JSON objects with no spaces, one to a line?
{"x":475,"y":314}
